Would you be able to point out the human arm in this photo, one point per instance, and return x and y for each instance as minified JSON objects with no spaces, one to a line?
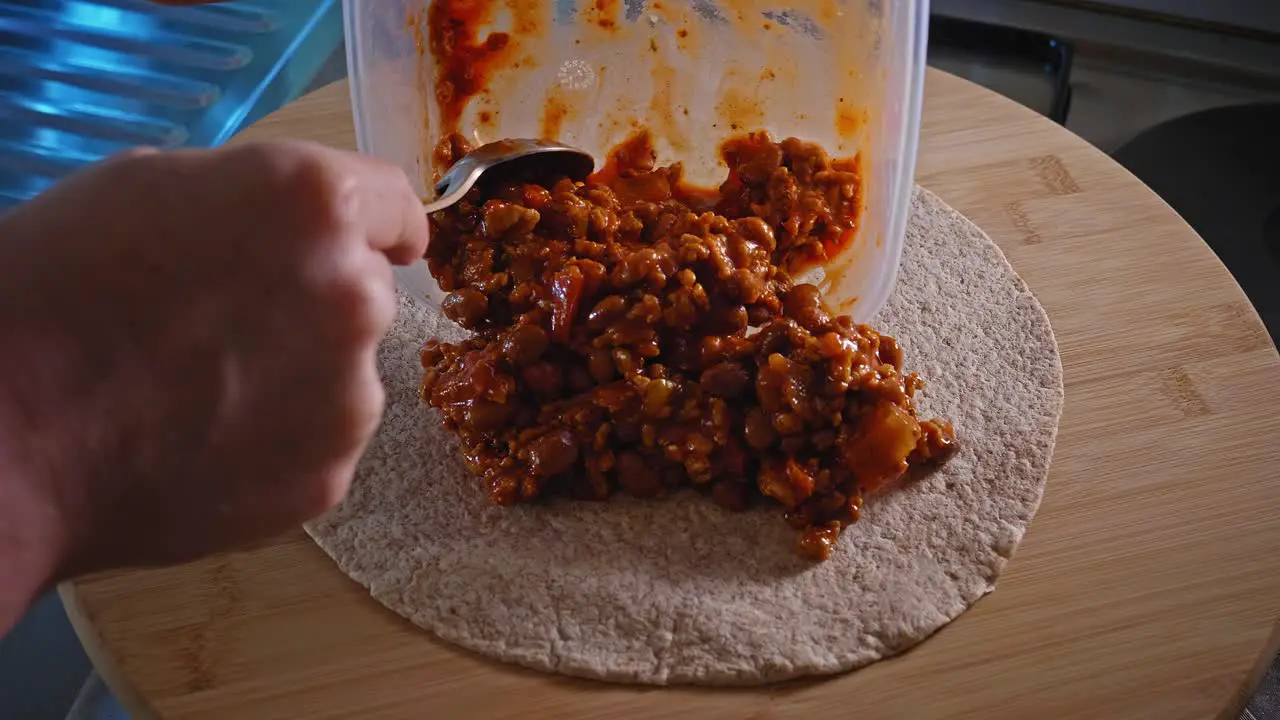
{"x":187,"y":352}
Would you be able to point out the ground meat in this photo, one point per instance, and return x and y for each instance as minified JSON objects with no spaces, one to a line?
{"x":635,"y":334}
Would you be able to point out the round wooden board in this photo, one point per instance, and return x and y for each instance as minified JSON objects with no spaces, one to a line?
{"x":1147,"y":587}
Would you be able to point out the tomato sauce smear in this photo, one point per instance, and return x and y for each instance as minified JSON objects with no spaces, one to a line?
{"x":464,"y":61}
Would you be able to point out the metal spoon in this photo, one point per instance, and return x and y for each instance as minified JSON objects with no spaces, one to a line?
{"x":510,"y":155}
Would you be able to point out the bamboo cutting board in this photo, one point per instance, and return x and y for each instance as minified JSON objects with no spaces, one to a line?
{"x":1147,"y":587}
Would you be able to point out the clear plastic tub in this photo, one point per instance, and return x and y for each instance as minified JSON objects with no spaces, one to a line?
{"x":847,"y":74}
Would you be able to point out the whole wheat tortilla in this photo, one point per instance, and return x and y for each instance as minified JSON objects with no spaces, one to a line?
{"x":681,"y":591}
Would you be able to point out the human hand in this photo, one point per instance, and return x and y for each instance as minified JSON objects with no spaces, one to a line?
{"x":187,"y":348}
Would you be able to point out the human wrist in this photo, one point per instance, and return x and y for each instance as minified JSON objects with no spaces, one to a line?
{"x":33,"y":537}
{"x":31,"y":544}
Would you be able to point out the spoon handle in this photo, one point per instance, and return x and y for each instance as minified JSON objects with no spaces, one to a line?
{"x":441,"y":202}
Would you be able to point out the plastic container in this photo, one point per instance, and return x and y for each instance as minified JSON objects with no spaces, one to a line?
{"x":847,"y":74}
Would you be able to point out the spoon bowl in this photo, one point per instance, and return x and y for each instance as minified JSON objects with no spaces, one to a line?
{"x":507,"y":157}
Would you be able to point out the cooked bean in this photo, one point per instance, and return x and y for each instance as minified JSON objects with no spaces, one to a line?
{"x":466,"y":307}
{"x":499,"y":217}
{"x":487,"y":416}
{"x":607,"y":312}
{"x":552,"y":454}
{"x":504,"y":488}
{"x":635,"y":476}
{"x":580,"y":379}
{"x":730,"y":495}
{"x":600,"y":363}
{"x":726,"y":380}
{"x":625,"y":361}
{"x":758,"y":430}
{"x":628,"y":337}
{"x":788,"y":423}
{"x":543,"y":379}
{"x":728,"y":319}
{"x":804,"y":303}
{"x":817,"y":542}
{"x":524,"y":344}
{"x":888,"y":351}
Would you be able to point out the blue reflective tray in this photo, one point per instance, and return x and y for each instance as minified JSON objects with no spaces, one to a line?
{"x":83,"y":79}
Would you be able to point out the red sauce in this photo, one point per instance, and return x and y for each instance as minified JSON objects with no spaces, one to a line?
{"x":466,"y":58}
{"x":836,"y":243}
{"x":613,"y":352}
{"x":463,"y":59}
{"x":731,"y":199}
{"x":554,"y":112}
{"x":603,"y":14}
{"x":636,"y":151}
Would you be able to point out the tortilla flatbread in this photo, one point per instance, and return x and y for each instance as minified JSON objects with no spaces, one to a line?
{"x":682,"y":591}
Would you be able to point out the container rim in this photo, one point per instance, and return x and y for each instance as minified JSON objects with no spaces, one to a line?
{"x":908,"y":144}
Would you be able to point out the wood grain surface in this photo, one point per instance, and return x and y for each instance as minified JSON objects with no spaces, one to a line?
{"x":1147,"y":587}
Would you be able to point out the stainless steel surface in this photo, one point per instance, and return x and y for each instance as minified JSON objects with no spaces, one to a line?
{"x":505,"y":153}
{"x":1256,"y":15}
{"x":1129,"y":74}
{"x":1236,"y":53}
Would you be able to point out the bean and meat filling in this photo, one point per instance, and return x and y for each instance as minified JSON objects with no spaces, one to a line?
{"x":634,"y":334}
